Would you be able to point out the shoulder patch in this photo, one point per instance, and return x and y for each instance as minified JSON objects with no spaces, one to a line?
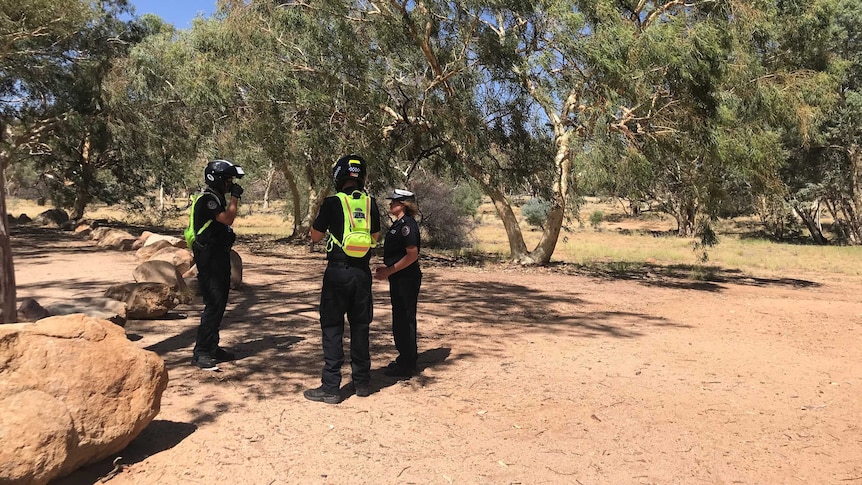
{"x":405,"y":231}
{"x":212,"y":205}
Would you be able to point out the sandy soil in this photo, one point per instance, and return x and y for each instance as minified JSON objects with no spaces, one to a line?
{"x":528,"y":376}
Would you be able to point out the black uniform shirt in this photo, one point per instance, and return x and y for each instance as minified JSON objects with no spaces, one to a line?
{"x":403,"y":233}
{"x":331,"y":218}
{"x":207,"y":208}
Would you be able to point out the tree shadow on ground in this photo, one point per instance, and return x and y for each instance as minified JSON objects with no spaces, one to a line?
{"x":277,"y":310}
{"x":431,"y":358}
{"x":272,"y":322}
{"x":32,"y":241}
{"x":677,"y":276}
{"x":158,"y":436}
{"x":680,"y":276}
{"x":523,"y":308}
{"x":89,"y":287}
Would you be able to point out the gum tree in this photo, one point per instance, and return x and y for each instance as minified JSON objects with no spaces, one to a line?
{"x":285,"y":85}
{"x":584,"y":74}
{"x":82,"y":159}
{"x":37,"y":38}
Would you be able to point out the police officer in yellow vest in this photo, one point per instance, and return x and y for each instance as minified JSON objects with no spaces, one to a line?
{"x":347,"y":279}
{"x":212,"y":215}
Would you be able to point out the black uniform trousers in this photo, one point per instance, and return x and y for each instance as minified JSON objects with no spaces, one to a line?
{"x":346,"y":290}
{"x":214,"y":281}
{"x":404,"y":295}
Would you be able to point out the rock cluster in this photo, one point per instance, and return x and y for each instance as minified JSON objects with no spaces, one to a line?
{"x":164,"y":279}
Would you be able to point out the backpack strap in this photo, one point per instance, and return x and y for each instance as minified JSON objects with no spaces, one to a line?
{"x":348,"y":222}
{"x":195,"y":198}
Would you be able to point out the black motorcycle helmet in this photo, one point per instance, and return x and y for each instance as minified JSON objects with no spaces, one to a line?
{"x":349,"y":167}
{"x":217,"y":172}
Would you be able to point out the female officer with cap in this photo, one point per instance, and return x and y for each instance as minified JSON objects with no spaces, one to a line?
{"x":401,"y":259}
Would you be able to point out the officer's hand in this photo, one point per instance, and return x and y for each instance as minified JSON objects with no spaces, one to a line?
{"x":381,"y":273}
{"x":236,"y":190}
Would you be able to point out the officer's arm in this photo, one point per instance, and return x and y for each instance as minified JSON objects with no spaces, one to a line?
{"x":227,"y":217}
{"x":405,"y":261}
{"x":409,"y":258}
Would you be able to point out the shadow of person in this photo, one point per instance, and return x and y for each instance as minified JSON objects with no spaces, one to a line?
{"x":158,"y":436}
{"x":432,"y":358}
{"x":379,"y":380}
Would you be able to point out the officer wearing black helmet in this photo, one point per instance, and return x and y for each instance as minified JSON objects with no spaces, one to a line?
{"x":213,"y":214}
{"x":401,"y":267}
{"x":346,"y":281}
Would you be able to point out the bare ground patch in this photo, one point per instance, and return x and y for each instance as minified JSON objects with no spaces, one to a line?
{"x":559,"y":375}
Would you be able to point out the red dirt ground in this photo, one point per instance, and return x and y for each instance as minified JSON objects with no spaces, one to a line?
{"x":530,"y":376}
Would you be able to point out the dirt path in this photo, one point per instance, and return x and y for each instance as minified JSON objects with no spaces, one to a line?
{"x":529,"y":377}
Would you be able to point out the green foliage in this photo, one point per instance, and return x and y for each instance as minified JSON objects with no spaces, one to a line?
{"x":707,"y":239}
{"x":23,"y":181}
{"x":535,"y":211}
{"x":812,"y":94}
{"x":596,"y":219}
{"x":779,"y":222}
{"x":65,"y":104}
{"x":466,"y":198}
{"x":699,"y":110}
{"x":153,"y":123}
{"x":36,"y":38}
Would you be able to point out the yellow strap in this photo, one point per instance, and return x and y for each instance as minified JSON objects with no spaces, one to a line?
{"x":192,"y":215}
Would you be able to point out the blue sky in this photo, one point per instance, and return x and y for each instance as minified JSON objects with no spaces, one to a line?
{"x":178,"y":12}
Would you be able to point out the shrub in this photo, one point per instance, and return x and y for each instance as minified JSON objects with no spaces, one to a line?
{"x":596,"y":219}
{"x":446,"y":212}
{"x":535,"y":211}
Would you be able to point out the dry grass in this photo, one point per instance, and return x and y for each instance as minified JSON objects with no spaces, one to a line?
{"x":254,"y":219}
{"x":651,"y":240}
{"x":647,"y":240}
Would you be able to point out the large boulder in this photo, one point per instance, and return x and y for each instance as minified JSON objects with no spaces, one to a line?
{"x":73,"y":391}
{"x":114,"y":311}
{"x":235,"y":270}
{"x":193,"y":290}
{"x":142,"y":239}
{"x":83,"y":230}
{"x":117,"y":239}
{"x":52,"y":217}
{"x":69,"y":225}
{"x":161,"y":272}
{"x":192,"y":272}
{"x":173,"y":240}
{"x":30,"y":310}
{"x":145,"y":300}
{"x":99,"y":232}
{"x":146,"y":252}
{"x":182,"y":259}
